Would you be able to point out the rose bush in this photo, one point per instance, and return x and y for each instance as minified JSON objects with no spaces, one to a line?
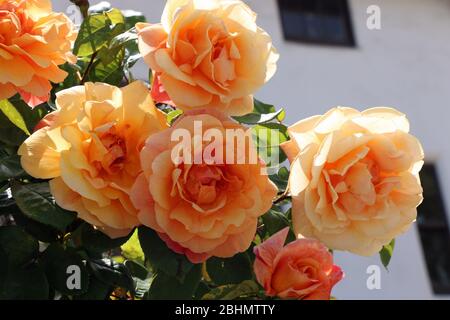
{"x":183,"y":197}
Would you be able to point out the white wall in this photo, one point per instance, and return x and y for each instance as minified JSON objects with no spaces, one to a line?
{"x":404,"y":65}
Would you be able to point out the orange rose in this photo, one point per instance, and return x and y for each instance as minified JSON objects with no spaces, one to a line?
{"x":90,"y":149}
{"x":354,"y":178}
{"x":33,"y":42}
{"x":303,"y":269}
{"x":204,"y":206}
{"x":208,"y":54}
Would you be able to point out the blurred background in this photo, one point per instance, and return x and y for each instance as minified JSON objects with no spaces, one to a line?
{"x":366,"y":53}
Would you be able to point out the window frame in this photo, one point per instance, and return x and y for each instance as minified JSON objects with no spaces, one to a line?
{"x":347,"y":19}
{"x":433,"y":227}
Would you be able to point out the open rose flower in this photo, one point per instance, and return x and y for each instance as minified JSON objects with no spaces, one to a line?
{"x":208,"y":54}
{"x":90,"y":149}
{"x":354,"y":178}
{"x":34,"y":41}
{"x":200,"y":203}
{"x":302,"y":269}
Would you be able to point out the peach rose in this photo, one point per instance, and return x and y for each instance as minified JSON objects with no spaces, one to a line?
{"x":302,"y":269}
{"x":33,"y":42}
{"x":354,"y":178}
{"x":90,"y":149}
{"x":208,"y":54}
{"x":206,"y":207}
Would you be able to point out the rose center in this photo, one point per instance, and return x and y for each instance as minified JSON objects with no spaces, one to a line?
{"x":357,"y":187}
{"x":9,"y":27}
{"x":116,"y":151}
{"x":204,"y":183}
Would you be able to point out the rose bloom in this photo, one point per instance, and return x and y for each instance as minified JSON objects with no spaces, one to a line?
{"x":302,"y":269}
{"x":90,"y":149}
{"x":354,"y":178}
{"x":34,"y":41}
{"x":205,"y":207}
{"x":208,"y":54}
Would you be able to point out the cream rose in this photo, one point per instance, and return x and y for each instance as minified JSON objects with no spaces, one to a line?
{"x":208,"y":54}
{"x":354,"y":178}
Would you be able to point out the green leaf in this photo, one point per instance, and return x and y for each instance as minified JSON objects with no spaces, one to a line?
{"x":132,"y":249}
{"x":281,"y":178}
{"x":31,"y":116}
{"x":123,"y":39}
{"x":386,"y":253}
{"x":262,"y":113}
{"x":97,"y":31}
{"x":132,"y":17}
{"x":13,"y":115}
{"x":26,"y":283}
{"x":109,"y":67}
{"x":137,"y":270}
{"x":36,"y":202}
{"x":112,"y":273}
{"x":56,"y":261}
{"x":268,"y":138}
{"x":274,"y":221}
{"x":73,"y":75}
{"x":97,"y":290}
{"x":282,"y":115}
{"x":173,"y":115}
{"x":10,"y":135}
{"x":258,"y":118}
{"x":19,"y":247}
{"x":262,"y":108}
{"x":160,"y":257}
{"x":230,"y":271}
{"x":40,"y":231}
{"x":97,"y":242}
{"x":233,"y":291}
{"x":10,"y":167}
{"x":165,"y":287}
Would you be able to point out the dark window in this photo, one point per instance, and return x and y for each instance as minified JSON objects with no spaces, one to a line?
{"x":434,"y":231}
{"x":317,"y":21}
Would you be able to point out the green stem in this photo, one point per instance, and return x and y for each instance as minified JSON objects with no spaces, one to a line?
{"x":88,"y":68}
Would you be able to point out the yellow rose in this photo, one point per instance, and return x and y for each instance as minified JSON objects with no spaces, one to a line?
{"x":90,"y":149}
{"x":205,"y":207}
{"x":354,"y":178}
{"x":208,"y":54}
{"x":34,"y":41}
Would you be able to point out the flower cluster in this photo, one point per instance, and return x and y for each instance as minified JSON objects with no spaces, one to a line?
{"x":198,"y":179}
